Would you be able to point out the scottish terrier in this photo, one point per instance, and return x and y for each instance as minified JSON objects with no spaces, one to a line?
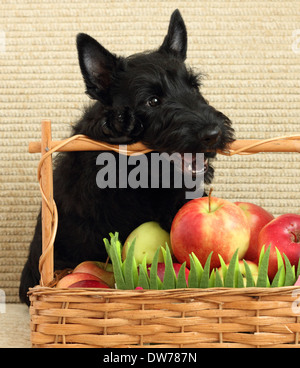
{"x":151,"y":97}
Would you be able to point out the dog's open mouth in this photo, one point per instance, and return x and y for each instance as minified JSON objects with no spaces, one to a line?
{"x":190,"y":163}
{"x":194,"y":164}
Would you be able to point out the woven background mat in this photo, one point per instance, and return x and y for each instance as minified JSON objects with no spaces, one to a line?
{"x":250,"y":54}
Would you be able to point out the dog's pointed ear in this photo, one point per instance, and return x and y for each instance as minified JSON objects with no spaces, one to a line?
{"x":175,"y":41}
{"x":97,"y":66}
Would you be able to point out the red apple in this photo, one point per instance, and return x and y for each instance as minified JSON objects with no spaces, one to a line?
{"x":209,"y":224}
{"x":258,"y":218}
{"x":93,"y":268}
{"x":284,"y":233}
{"x":75,"y":277}
{"x":161,"y":271}
{"x":89,"y":284}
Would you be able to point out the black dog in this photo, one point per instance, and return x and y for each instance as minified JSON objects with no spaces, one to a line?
{"x":150,"y":97}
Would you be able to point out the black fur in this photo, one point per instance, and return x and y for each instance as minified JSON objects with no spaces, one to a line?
{"x":150,"y":97}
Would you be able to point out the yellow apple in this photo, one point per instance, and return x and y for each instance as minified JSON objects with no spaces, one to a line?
{"x":148,"y":237}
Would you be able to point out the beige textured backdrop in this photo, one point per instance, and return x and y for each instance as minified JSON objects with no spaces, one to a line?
{"x":249,"y":51}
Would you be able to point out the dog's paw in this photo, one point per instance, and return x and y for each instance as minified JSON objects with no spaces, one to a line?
{"x":121,"y":127}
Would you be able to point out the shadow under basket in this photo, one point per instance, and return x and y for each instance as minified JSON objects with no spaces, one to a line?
{"x":178,"y":318}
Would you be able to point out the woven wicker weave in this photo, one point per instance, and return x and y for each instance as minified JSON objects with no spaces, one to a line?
{"x":180,"y":318}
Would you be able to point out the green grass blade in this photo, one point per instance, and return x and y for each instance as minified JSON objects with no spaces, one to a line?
{"x":144,"y":263}
{"x":231,"y":275}
{"x":154,"y":284}
{"x":114,"y":240}
{"x":263,"y":279}
{"x":193,"y":276}
{"x":240,"y":279}
{"x":261,"y":255}
{"x":135,"y":273}
{"x":223,"y":267}
{"x":169,"y":281}
{"x":181,"y":281}
{"x":290,"y":276}
{"x":199,"y":267}
{"x":212,"y":279}
{"x":163,"y":251}
{"x":204,"y":283}
{"x":278,"y":280}
{"x":280,"y":262}
{"x":129,"y":265}
{"x":107,"y":246}
{"x":281,"y":266}
{"x":219,"y":281}
{"x":143,"y":280}
{"x":249,"y":277}
{"x":116,"y":262}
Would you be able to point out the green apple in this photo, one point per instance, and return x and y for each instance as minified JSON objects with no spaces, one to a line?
{"x":148,"y":237}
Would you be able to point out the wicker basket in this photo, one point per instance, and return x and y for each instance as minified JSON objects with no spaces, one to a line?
{"x":180,"y":318}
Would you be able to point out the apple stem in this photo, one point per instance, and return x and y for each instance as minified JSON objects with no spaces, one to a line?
{"x":106,"y":263}
{"x":296,"y":240}
{"x":209,"y":198}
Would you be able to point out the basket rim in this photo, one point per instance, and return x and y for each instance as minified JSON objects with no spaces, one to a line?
{"x":183,"y":293}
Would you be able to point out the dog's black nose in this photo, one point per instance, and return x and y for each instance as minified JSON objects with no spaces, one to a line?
{"x":210,"y":136}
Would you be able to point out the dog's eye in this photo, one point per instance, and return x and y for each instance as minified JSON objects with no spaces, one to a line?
{"x":153,"y":101}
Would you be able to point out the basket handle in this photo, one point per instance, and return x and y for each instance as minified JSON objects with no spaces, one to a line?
{"x":83,"y":143}
{"x":45,"y":177}
{"x":240,"y":146}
